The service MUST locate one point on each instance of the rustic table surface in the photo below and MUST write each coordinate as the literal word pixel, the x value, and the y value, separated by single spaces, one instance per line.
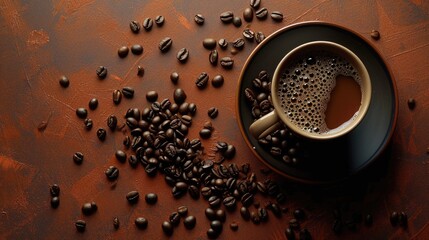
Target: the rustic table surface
pixel 43 40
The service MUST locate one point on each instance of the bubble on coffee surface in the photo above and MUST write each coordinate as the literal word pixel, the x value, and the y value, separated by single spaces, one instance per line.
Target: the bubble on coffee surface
pixel 305 88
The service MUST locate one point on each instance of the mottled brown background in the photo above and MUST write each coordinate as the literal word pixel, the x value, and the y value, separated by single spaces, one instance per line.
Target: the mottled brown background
pixel 42 40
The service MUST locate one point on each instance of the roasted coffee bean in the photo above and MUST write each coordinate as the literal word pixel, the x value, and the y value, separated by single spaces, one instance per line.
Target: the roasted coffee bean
pixel 223 43
pixel 227 62
pixel 290 234
pixel 375 34
pixel 248 14
pixel 247 199
pixel 147 24
pixel 202 80
pixel 209 43
pixel 213 112
pixel 199 19
pixel 93 103
pixel 248 34
pixel 55 202
pixel 174 77
pixel 135 26
pixel 304 234
pixel 233 226
pixel 190 222
pixel 140 71
pixel 229 152
pixel 54 190
pixel 132 197
pixel 259 37
pixel 81 112
pixel 117 96
pixel 263 214
pixel 64 82
pixel 174 218
pixel 78 157
pixel 133 161
pixel 128 92
pixel 80 225
pixel 299 214
pixel 112 122
pixel 210 214
pixel 167 227
pixel 151 198
pixel 394 218
pixel 238 43
pixel 254 216
pixel 205 133
pixel 179 96
pixel 206 191
pixel 179 189
pixel 403 219
pixel 165 44
pixel 112 173
pixel 261 13
pixel 236 21
pixel 226 17
pixel 217 81
pixel 277 16
pixel 88 123
pixel 368 220
pixel 221 215
pixel 159 20
pixel 121 156
pixel 182 210
pixel 151 96
pixel 275 209
pixel 214 201
pixel 255 3
pixel 141 222
pixel 116 223
pixel 212 234
pixel 294 224
pixel 213 56
pixel 87 209
pixel 101 72
pixel 194 192
pixel 411 103
pixel 123 51
pixel 182 55
pixel 126 142
pixel 137 49
pixel 229 202
pixel 216 225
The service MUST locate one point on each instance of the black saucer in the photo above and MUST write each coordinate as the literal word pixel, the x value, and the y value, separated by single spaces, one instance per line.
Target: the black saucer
pixel 338 159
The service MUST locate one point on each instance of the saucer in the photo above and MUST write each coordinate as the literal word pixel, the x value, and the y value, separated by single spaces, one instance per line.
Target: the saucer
pixel 335 160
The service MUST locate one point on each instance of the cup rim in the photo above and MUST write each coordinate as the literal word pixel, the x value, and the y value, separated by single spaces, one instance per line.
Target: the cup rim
pixel 366 85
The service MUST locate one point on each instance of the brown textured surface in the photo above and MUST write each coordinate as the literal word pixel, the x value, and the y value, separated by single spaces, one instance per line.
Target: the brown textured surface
pixel 42 40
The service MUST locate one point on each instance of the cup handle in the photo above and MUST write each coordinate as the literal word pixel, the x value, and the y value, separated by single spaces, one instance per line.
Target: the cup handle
pixel 265 125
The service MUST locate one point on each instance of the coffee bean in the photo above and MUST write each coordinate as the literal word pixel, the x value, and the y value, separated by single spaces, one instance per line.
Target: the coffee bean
pixel 174 218
pixel 190 222
pixel 137 49
pixel 202 80
pixel 221 215
pixel 226 17
pixel 247 199
pixel 167 228
pixel 238 43
pixel 116 223
pixel 214 201
pixel 227 62
pixel 403 219
pixel 147 24
pixel 248 14
pixel 64 82
pixel 121 156
pixel 209 43
pixel 182 55
pixel 368 220
pixel 93 103
pixel 174 77
pixel 210 214
pixel 229 202
pixel 212 234
pixel 248 34
pixel 290 234
pixel 112 122
pixel 87 209
pixel 275 209
pixel 233 226
pixel 112 173
pixel 81 112
pixel 213 56
pixel 223 43
pixel 394 218
pixel 261 13
pixel 132 197
pixel 54 190
pixel 78 158
pixel 217 81
pixel 123 51
pixel 55 202
pixel 299 214
pixel 140 71
pixel 259 37
pixel 263 214
pixel 159 20
pixel 230 152
pixel 179 96
pixel 151 96
pixel 80 225
pixel 141 222
pixel 179 189
pixel 165 44
pixel 213 112
pixel 182 210
pixel 116 96
pixel 293 223
pixel 128 92
pixel 216 225
pixel 133 161
pixel 194 192
pixel 236 21
pixel 304 234
pixel 88 123
pixel 375 34
pixel 151 198
pixel 255 3
pixel 135 26
pixel 411 103
pixel 101 72
pixel 277 16
pixel 205 133
pixel 254 216
pixel 199 19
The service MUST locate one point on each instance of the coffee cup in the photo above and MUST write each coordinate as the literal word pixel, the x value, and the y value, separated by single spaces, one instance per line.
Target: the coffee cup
pixel 320 90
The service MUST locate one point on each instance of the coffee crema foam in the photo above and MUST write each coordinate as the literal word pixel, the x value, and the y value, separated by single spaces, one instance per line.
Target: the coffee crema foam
pixel 305 87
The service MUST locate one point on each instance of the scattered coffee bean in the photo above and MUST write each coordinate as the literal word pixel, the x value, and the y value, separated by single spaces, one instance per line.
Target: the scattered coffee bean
pixel 216 225
pixel 248 14
pixel 223 43
pixel 174 77
pixel 116 223
pixel 133 161
pixel 190 222
pixel 81 112
pixel 123 51
pixel 304 234
pixel 263 214
pixel 140 71
pixel 159 20
pixel 137 49
pixel 141 222
pixel 227 62
pixel 151 198
pixel 174 218
pixel 151 96
pixel 80 225
pixel 290 234
pixel 238 43
pixel 247 199
pixel 165 44
pixel 147 24
pixel 209 43
pixel 299 214
pixel 205 133
pixel 226 17
pixel 255 3
pixel 259 37
pixel 411 103
pixel 121 156
pixel 261 13
pixel 210 214
pixel 217 81
pixel 403 219
pixel 179 96
pixel 202 80
pixel 199 19
pixel 394 218
pixel 55 202
pixel 88 208
pixel 112 173
pixel 244 212
pixel 182 55
pixel 78 158
pixel 179 189
pixel 101 72
pixel 277 16
pixel 212 234
pixel 229 152
pixel 167 227
pixel 254 216
pixel 248 34
pixel 194 192
pixel 116 96
pixel 128 92
pixel 293 223
pixel 182 210
pixel 375 34
pixel 213 112
pixel 133 197
pixel 229 202
pixel 135 26
pixel 88 123
pixel 64 82
pixel 233 226
pixel 213 56
pixel 54 190
pixel 112 122
pixel 93 103
pixel 236 21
